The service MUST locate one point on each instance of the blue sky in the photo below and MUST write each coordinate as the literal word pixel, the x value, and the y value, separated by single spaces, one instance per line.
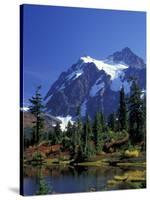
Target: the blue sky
pixel 55 37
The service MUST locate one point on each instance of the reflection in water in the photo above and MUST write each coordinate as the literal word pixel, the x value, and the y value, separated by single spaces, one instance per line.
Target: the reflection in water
pixel 69 179
pixel 43 187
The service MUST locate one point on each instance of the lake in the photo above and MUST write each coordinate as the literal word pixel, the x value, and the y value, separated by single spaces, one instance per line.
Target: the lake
pixel 69 179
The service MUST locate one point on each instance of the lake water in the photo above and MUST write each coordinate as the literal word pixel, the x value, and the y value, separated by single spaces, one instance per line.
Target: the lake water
pixel 68 179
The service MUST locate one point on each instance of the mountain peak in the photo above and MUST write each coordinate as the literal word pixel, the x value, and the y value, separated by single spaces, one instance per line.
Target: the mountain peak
pixel 127 57
pixel 127 50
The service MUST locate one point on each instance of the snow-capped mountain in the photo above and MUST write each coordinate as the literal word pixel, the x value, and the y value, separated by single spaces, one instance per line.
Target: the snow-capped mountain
pixel 94 85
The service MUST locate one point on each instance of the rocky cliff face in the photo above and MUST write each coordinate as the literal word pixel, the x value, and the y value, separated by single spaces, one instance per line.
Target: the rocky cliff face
pixel 94 85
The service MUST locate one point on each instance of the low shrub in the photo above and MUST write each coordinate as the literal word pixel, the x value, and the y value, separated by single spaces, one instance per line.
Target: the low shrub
pixel 131 154
pixel 38 156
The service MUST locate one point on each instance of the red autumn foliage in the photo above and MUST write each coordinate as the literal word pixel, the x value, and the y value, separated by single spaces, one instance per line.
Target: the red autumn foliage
pixel 44 149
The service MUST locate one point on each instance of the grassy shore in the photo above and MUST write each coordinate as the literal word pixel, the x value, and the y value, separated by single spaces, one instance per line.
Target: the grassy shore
pixel 114 159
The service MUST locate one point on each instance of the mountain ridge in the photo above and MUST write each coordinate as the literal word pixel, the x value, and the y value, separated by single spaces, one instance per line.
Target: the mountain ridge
pixel 90 84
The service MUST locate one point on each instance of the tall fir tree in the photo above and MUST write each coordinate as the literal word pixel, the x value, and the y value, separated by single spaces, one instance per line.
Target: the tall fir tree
pixel 79 131
pixel 77 137
pixel 79 127
pixel 136 114
pixel 102 121
pixel 77 141
pixel 88 146
pixel 58 134
pixel 97 130
pixel 122 112
pixel 67 137
pixel 36 108
pixel 112 121
pixel 144 122
pixel 69 130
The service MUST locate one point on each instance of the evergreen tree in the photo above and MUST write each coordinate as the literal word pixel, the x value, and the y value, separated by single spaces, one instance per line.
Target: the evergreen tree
pixel 144 122
pixel 79 130
pixel 52 137
pixel 112 121
pixel 69 130
pixel 77 142
pixel 87 139
pixel 67 137
pixel 58 134
pixel 97 129
pixel 122 111
pixel 136 114
pixel 89 129
pixel 102 121
pixel 73 141
pixel 36 108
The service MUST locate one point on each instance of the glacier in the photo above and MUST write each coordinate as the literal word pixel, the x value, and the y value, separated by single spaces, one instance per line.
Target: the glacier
pixel 111 69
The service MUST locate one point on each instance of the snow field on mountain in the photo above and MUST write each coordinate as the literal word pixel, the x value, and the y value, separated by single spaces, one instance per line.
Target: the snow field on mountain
pixel 111 69
pixel 65 121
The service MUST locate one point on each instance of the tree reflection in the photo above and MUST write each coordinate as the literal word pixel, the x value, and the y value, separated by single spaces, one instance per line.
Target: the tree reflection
pixel 43 187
